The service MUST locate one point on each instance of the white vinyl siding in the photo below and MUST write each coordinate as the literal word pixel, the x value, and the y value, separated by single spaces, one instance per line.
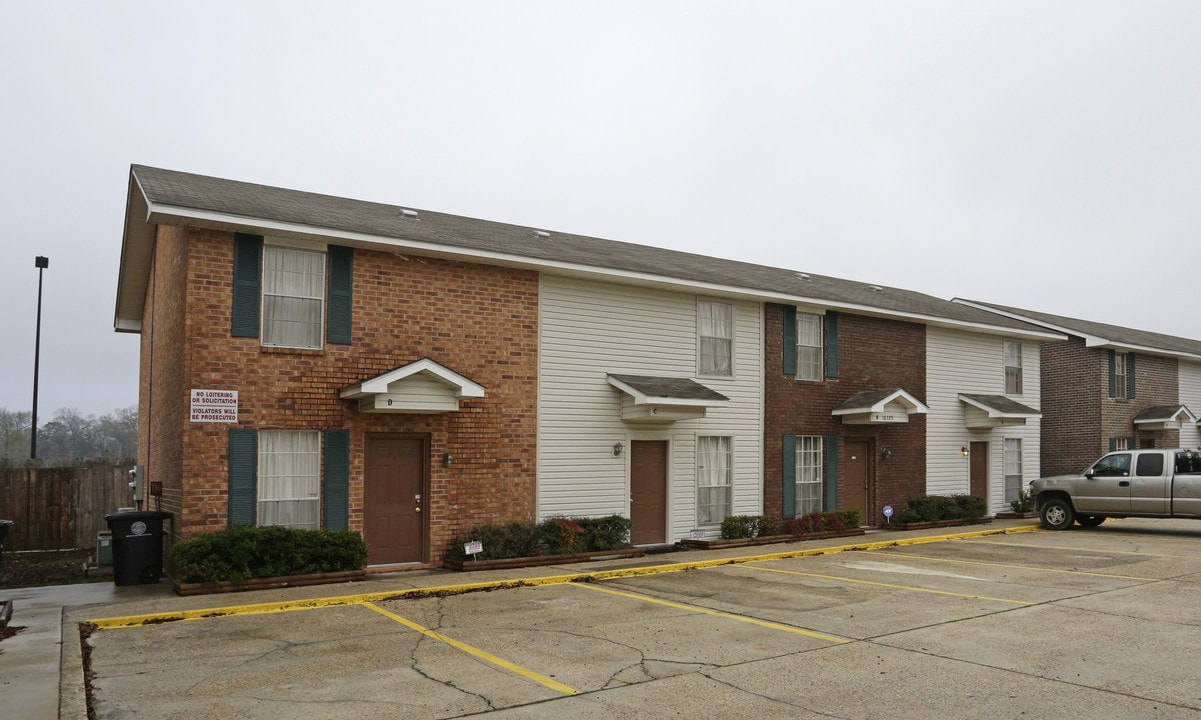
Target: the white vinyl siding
pixel 293 297
pixel 589 329
pixel 957 362
pixel 289 478
pixel 715 338
pixel 714 479
pixel 809 351
pixel 810 476
pixel 1189 373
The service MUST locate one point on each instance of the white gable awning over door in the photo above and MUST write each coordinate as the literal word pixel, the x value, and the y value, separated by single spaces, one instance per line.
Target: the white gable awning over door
pixel 1166 417
pixel 879 407
pixel 420 388
pixel 655 399
pixel 990 411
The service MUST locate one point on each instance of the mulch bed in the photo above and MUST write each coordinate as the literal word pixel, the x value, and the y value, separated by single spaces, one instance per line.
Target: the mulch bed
pixel 39 568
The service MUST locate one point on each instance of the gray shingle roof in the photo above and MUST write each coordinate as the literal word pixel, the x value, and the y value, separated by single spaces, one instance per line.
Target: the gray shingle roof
pixel 1002 404
pixel 669 387
pixel 181 197
pixel 1111 334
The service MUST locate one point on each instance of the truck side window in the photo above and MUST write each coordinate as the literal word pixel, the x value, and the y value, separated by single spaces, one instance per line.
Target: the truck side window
pixel 1113 466
pixel 1149 465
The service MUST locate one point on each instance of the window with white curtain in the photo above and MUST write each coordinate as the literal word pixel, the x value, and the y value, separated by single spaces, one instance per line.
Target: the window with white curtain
pixel 715 338
pixel 289 478
pixel 714 479
pixel 1013 367
pixel 293 297
pixel 809 364
pixel 809 480
pixel 1013 468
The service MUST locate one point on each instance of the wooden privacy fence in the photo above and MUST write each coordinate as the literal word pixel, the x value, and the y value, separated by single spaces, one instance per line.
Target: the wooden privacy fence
pixel 55 508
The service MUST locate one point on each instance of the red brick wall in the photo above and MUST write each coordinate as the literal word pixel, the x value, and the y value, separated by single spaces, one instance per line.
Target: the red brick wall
pixel 477 320
pixel 874 354
pixel 1079 417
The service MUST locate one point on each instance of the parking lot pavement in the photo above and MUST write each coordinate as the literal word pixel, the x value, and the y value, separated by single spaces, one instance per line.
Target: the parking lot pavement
pixel 986 627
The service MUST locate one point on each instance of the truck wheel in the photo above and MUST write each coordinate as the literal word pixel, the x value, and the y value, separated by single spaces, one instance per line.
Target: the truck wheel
pixel 1090 520
pixel 1056 514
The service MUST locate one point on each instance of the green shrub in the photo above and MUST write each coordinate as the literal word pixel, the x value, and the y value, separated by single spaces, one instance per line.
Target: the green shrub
pixel 932 508
pixel 835 521
pixel 1022 504
pixel 244 552
pixel 734 527
pixel 553 536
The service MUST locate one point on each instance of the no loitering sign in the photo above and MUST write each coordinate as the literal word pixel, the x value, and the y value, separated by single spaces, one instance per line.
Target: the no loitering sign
pixel 219 406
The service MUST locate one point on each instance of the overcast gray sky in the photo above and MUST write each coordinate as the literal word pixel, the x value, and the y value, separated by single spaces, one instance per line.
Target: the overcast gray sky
pixel 1040 154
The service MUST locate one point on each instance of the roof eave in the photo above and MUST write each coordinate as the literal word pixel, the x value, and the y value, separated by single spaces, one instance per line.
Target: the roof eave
pixel 137 249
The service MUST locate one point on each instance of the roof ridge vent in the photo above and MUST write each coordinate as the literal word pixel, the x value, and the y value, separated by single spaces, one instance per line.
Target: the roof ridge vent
pixel 408 214
pixel 541 234
pixel 875 288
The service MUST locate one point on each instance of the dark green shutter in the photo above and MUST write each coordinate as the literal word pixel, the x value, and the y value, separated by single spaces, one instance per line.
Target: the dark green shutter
pixel 248 261
pixel 1113 444
pixel 1132 443
pixel 789 340
pixel 1113 382
pixel 337 480
pixel 341 282
pixel 243 476
pixel 1130 376
pixel 832 344
pixel 788 497
pixel 831 472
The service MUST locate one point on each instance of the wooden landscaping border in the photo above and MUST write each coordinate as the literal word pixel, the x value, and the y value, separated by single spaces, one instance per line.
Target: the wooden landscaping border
pixel 540 560
pixel 933 524
pixel 272 583
pixel 769 539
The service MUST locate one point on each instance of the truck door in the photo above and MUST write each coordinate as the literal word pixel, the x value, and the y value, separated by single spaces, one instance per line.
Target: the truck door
pixel 1107 491
pixel 1151 483
pixel 1186 485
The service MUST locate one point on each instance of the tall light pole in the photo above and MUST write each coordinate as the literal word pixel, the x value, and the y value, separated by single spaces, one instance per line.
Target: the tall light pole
pixel 41 263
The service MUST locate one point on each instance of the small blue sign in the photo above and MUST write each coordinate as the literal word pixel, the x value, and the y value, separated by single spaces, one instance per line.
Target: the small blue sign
pixel 888 511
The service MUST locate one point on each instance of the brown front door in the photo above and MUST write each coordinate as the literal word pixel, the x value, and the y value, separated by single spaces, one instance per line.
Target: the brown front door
pixel 648 491
pixel 978 470
pixel 394 498
pixel 856 478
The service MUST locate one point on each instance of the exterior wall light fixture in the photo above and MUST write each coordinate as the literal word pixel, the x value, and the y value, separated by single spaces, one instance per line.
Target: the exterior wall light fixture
pixel 963 451
pixel 447 459
pixel 618 449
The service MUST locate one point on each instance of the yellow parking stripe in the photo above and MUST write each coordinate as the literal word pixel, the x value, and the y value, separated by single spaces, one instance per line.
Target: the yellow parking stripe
pixel 717 613
pixel 889 585
pixel 476 652
pixel 1088 549
pixel 1010 565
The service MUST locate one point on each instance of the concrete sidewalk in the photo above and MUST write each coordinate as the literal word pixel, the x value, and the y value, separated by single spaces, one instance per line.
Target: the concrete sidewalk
pixel 41 667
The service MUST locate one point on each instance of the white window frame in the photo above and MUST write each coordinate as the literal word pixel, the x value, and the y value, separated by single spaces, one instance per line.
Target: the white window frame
pixel 275 325
pixel 810 357
pixel 1121 444
pixel 288 478
pixel 710 338
pixel 1121 383
pixel 1011 467
pixel 810 474
pixel 1012 352
pixel 713 482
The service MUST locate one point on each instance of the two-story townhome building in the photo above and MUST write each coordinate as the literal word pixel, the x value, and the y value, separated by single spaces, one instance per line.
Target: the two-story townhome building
pixel 317 361
pixel 1111 388
pixel 877 394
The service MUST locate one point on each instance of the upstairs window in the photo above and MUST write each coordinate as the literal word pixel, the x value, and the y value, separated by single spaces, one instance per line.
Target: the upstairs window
pixel 809 346
pixel 715 338
pixel 293 297
pixel 1120 380
pixel 1013 367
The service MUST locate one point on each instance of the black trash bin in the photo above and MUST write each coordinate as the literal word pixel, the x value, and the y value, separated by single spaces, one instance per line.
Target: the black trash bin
pixel 137 546
pixel 4 526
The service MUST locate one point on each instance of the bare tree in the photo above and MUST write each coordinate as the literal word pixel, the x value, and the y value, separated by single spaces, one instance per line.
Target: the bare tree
pixel 70 434
pixel 14 434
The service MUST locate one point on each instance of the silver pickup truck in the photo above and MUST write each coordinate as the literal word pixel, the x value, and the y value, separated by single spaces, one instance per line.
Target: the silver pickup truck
pixel 1127 483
